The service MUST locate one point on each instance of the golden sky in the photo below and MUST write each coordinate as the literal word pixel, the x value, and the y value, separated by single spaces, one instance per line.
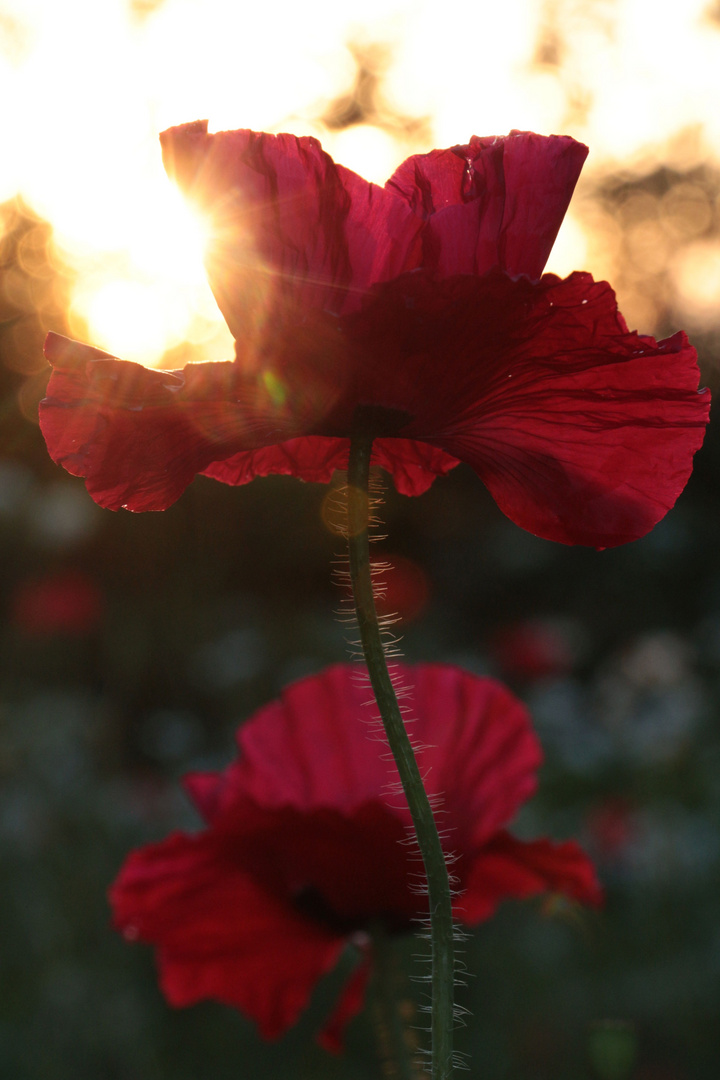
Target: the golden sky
pixel 87 85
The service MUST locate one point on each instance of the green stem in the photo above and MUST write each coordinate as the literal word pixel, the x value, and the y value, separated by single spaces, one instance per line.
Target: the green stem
pixel 441 926
pixel 393 1035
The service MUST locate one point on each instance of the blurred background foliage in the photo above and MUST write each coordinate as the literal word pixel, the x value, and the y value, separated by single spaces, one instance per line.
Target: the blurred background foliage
pixel 132 646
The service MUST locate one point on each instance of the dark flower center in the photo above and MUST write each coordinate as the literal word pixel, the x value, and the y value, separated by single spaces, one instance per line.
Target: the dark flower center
pixel 344 872
pixel 378 421
pixel 310 902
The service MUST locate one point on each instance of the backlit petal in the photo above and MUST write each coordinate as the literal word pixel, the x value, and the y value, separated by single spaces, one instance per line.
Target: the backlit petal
pixel 591 438
pixel 413 465
pixel 287 222
pixel 508 867
pixel 139 436
pixel 496 203
pixel 583 432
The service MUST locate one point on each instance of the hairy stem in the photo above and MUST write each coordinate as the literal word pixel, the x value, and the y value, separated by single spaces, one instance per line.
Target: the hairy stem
pixel 441 926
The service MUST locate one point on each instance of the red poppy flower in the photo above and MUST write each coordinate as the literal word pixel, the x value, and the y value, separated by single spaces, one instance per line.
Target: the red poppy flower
pixel 303 846
pixel 421 302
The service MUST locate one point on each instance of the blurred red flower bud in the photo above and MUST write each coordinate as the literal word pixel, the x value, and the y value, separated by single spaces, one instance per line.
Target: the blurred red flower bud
pixel 64 603
pixel 533 649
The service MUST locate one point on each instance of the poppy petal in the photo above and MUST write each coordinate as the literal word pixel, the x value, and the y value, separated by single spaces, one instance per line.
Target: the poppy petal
pixel 413 465
pixel 287 221
pixel 583 432
pixel 140 435
pixel 307 843
pixel 508 867
pixel 205 791
pixel 418 301
pixel 479 752
pixel 218 934
pixel 587 432
pixel 312 458
pixel 495 203
pixel 320 745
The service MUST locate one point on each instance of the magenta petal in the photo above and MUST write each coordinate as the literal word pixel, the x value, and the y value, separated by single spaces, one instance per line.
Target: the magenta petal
pixel 139 436
pixel 496 203
pixel 312 458
pixel 218 934
pixel 413 465
pixel 205 790
pixel 587 432
pixel 583 432
pixel 126 457
pixel 321 745
pixel 307 842
pixel 480 754
pixel 316 746
pixel 508 867
pixel 287 222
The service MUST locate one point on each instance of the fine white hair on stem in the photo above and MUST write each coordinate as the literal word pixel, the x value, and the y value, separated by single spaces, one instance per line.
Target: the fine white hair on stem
pixel 380 638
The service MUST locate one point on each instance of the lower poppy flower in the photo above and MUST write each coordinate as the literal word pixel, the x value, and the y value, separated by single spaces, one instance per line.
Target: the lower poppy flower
pixel 304 847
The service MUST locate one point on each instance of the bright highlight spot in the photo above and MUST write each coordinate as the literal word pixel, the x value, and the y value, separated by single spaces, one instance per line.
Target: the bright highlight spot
pixel 127 314
pixel 170 238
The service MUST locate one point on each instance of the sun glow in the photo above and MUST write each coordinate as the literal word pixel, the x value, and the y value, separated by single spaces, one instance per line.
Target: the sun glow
pixel 697 277
pixel 92 85
pixel 150 295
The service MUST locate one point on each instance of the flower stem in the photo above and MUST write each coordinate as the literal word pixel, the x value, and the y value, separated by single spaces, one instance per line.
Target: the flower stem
pixel 389 1013
pixel 441 926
